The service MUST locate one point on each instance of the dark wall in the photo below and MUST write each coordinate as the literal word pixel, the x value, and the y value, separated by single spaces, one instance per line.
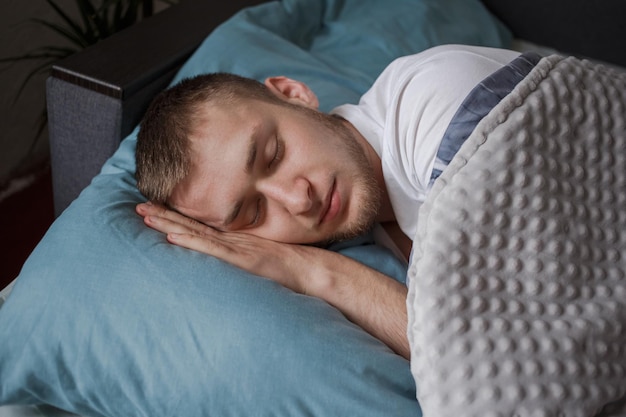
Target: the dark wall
pixel 587 28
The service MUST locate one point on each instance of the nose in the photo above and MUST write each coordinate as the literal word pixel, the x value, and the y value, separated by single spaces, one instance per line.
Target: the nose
pixel 295 196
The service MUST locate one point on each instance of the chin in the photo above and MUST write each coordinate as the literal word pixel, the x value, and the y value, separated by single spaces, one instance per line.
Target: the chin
pixel 354 231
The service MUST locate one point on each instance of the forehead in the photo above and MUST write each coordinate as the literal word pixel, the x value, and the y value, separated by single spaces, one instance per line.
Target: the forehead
pixel 219 144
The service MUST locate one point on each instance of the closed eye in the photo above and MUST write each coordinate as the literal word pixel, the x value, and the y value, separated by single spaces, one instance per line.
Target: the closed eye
pixel 257 214
pixel 279 149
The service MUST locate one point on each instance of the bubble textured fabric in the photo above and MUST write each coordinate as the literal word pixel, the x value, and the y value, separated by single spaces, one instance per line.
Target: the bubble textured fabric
pixel 517 293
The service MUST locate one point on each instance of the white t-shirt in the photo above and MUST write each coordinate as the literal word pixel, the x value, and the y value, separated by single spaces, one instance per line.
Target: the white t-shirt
pixel 407 110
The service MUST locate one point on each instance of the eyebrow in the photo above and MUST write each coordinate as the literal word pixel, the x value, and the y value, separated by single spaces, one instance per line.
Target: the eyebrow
pixel 252 152
pixel 250 160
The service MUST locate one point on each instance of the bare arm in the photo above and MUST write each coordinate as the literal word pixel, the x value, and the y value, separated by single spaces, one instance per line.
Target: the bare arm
pixel 370 299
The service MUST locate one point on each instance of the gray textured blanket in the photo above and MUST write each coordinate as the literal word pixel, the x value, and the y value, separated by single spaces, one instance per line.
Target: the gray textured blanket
pixel 517 294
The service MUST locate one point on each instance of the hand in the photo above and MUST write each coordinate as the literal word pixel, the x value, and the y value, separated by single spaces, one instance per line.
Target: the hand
pixel 370 299
pixel 280 262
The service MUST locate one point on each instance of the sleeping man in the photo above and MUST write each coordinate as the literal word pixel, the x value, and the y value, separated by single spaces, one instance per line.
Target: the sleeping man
pixel 254 174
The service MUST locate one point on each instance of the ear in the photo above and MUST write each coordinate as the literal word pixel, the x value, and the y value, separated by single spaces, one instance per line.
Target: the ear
pixel 293 91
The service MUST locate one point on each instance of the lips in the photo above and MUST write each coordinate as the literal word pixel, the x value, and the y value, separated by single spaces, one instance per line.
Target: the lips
pixel 332 205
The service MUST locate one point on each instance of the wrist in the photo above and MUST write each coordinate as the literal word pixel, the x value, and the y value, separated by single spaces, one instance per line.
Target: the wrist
pixel 317 279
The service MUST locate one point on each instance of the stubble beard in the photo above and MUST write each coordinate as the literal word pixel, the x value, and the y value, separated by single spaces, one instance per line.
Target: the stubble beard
pixel 367 195
pixel 367 198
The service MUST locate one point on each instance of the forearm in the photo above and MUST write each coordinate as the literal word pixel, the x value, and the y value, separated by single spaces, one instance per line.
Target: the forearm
pixel 368 298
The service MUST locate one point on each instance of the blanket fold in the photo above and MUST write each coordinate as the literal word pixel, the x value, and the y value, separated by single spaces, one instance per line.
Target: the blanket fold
pixel 517 294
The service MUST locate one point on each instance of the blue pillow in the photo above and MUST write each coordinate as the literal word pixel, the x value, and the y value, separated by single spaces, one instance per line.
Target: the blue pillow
pixel 108 319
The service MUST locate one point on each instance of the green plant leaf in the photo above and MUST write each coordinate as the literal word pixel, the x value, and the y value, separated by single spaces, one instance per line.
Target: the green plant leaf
pixel 40 53
pixel 117 14
pixel 73 27
pixel 77 39
pixel 128 16
pixel 86 12
pixel 95 20
pixel 45 66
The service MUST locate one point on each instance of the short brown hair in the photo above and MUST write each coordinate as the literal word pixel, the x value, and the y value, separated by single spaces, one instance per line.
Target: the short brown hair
pixel 163 153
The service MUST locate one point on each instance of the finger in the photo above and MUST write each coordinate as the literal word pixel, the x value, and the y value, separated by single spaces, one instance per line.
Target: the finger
pixel 150 209
pixel 209 245
pixel 165 225
pixel 158 211
pixel 143 209
pixel 236 248
pixel 273 260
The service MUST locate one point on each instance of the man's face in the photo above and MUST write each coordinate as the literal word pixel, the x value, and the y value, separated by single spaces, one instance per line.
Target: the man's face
pixel 288 174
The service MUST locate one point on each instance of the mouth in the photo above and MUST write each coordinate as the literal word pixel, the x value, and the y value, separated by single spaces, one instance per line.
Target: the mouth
pixel 332 204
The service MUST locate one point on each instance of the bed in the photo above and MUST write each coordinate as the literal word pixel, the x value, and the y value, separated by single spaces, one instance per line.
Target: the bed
pixel 107 319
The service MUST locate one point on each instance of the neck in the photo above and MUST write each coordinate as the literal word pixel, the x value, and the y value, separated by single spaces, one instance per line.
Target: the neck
pixel 385 214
